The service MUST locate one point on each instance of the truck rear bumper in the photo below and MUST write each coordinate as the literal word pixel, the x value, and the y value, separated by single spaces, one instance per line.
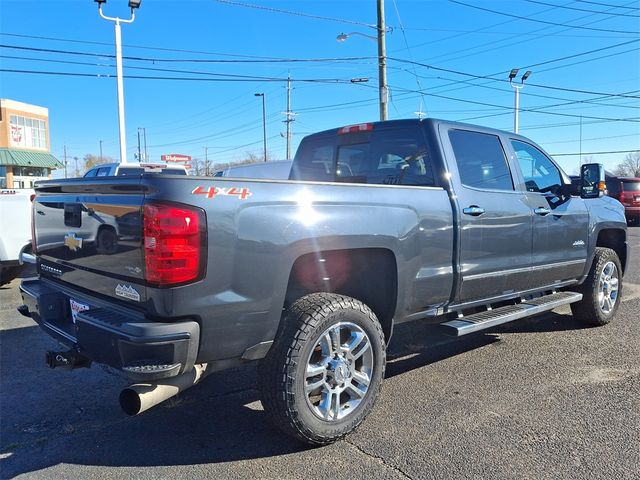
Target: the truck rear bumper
pixel 125 340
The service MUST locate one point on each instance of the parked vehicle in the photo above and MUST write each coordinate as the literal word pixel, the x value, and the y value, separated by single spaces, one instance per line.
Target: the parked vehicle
pixel 113 169
pixel 382 223
pixel 275 170
pixel 627 191
pixel 15 231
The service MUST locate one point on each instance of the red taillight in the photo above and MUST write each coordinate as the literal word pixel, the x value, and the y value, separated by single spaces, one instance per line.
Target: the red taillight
pixel 174 243
pixel 363 127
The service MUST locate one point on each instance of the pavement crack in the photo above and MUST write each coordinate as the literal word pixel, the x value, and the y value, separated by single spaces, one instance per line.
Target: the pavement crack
pixel 379 458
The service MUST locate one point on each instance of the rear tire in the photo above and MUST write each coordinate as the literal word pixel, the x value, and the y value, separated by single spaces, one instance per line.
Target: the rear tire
pixel 601 290
pixel 324 372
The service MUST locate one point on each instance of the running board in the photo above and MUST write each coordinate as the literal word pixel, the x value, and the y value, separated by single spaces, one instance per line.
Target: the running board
pixel 490 318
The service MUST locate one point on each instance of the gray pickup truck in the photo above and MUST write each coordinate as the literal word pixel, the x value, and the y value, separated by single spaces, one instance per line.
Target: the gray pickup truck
pixel 379 223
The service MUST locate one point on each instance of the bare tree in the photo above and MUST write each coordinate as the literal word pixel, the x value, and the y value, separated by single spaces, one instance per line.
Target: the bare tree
pixel 196 166
pixel 630 166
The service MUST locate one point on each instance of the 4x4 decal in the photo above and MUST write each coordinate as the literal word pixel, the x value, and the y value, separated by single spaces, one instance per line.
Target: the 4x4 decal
pixel 242 193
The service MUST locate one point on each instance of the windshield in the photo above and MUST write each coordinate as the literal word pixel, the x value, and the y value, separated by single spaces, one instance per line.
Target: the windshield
pixel 631 186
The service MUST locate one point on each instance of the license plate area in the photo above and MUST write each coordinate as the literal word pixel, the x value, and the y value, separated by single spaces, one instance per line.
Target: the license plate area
pixel 76 307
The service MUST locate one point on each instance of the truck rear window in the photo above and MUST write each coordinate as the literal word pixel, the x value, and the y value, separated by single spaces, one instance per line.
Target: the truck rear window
pixel 384 157
pixel 631 186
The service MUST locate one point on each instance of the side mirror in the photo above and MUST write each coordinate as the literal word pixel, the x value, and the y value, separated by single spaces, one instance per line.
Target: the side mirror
pixel 592 180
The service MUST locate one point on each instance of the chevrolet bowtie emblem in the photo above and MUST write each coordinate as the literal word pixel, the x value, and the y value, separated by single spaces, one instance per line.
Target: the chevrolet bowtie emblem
pixel 74 243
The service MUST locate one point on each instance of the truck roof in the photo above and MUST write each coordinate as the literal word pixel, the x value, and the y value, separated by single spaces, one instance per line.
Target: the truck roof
pixel 413 121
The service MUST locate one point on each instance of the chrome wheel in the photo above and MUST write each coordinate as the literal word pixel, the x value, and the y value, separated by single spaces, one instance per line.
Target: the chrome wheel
pixel 608 287
pixel 339 370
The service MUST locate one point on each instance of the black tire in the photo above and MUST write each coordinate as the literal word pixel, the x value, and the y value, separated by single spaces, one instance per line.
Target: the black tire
pixel 282 374
pixel 7 274
pixel 588 310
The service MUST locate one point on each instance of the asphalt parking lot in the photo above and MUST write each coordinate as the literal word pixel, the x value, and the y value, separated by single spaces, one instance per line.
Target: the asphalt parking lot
pixel 540 398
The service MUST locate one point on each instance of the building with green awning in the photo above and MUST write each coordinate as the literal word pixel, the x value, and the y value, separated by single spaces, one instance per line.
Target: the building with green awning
pixel 25 154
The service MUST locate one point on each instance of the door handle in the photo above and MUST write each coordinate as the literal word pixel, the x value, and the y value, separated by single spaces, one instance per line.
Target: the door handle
pixel 542 211
pixel 473 210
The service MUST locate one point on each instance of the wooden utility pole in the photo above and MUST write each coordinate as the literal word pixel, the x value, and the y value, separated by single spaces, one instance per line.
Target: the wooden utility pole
pixel 289 115
pixel 382 62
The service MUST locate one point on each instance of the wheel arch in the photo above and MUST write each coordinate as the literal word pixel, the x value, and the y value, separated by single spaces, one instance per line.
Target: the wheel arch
pixel 366 274
pixel 616 240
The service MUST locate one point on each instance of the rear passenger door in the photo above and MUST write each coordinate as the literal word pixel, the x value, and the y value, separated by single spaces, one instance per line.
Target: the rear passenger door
pixel 494 221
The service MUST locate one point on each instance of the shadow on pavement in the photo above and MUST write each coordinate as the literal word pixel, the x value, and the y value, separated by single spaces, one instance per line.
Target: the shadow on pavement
pixel 48 417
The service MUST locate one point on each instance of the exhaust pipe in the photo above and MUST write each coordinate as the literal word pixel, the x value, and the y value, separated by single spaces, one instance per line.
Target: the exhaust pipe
pixel 140 397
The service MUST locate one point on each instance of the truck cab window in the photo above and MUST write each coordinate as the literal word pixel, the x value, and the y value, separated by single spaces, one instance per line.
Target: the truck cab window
pixel 540 173
pixel 481 160
pixel 395 156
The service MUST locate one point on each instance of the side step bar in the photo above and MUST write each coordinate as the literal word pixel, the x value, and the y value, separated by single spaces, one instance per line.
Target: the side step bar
pixel 490 318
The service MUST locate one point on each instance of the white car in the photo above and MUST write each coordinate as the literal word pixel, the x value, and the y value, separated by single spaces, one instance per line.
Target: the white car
pixel 113 169
pixel 15 231
pixel 275 170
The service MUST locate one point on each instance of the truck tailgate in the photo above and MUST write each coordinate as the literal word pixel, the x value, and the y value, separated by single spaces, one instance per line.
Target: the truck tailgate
pixel 89 234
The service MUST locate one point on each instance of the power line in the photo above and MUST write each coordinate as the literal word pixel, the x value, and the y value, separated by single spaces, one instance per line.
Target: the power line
pixel 591 153
pixel 188 60
pixel 542 21
pixel 488 77
pixel 167 70
pixel 406 43
pixel 634 119
pixel 199 79
pixel 581 9
pixel 298 14
pixel 143 47
pixel 593 139
pixel 608 5
pixel 575 55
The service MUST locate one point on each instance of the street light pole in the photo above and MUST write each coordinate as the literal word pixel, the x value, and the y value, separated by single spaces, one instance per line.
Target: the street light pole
pixel 133 4
pixel 517 88
pixel 264 123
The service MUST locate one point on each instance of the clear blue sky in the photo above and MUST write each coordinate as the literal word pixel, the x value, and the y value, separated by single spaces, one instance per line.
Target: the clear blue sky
pixel 461 42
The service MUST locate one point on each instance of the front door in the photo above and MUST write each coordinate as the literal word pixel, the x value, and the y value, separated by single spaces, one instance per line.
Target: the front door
pixel 560 223
pixel 494 218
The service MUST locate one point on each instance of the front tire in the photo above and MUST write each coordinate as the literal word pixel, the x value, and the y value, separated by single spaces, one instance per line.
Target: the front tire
pixel 324 372
pixel 601 290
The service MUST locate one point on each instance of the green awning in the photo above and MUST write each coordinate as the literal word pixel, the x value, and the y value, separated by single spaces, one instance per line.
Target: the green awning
pixel 27 158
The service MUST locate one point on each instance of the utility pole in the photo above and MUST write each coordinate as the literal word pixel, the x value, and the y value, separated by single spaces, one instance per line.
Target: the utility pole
pixel 101 150
pixel 139 154
pixel 77 171
pixel 289 115
pixel 517 88
pixel 264 123
pixel 206 161
pixel 133 5
pixel 382 62
pixel 65 161
pixel 580 140
pixel 144 136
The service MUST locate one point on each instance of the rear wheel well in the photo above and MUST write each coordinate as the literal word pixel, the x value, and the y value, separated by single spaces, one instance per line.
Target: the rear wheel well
pixel 615 240
pixel 367 274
